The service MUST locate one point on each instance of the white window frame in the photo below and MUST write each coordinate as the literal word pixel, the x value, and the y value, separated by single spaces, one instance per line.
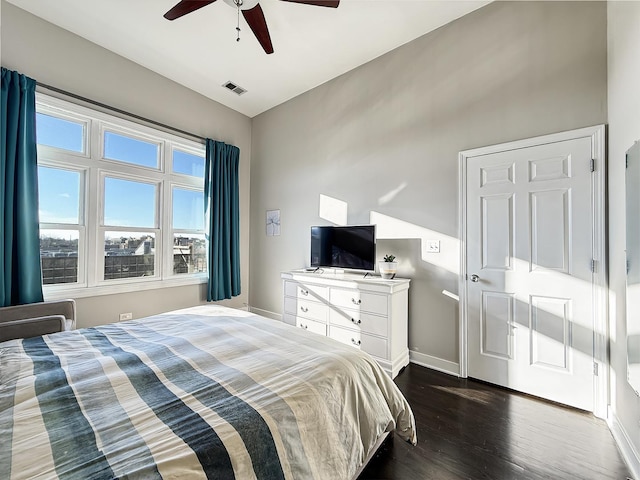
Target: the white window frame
pixel 171 231
pixel 103 228
pixel 54 109
pixel 80 227
pixel 134 135
pixel 94 168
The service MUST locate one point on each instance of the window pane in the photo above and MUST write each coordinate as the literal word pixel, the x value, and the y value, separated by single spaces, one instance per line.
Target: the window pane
pixel 188 164
pixel 59 256
pixel 188 209
pixel 59 195
pixel 129 204
pixel 59 133
pixel 189 254
pixel 129 254
pixel 130 150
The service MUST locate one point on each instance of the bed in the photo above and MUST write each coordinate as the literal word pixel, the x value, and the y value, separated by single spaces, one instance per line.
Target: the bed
pixel 204 392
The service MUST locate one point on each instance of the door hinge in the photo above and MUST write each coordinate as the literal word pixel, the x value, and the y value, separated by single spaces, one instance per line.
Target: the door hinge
pixel 592 165
pixel 595 368
pixel 593 265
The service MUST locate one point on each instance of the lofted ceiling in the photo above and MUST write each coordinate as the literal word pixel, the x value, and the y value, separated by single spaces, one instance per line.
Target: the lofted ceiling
pixel 311 44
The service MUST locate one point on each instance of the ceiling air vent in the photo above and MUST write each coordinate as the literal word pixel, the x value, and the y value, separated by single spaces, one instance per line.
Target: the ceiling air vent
pixel 234 88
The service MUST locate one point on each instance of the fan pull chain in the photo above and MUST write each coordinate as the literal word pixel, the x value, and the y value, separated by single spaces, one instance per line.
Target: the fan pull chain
pixel 238 3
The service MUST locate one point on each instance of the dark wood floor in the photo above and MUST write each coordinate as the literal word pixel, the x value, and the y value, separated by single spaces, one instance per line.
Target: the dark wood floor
pixel 471 430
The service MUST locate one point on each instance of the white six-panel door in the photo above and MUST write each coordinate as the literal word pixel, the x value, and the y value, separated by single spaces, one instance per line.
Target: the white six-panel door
pixel 529 269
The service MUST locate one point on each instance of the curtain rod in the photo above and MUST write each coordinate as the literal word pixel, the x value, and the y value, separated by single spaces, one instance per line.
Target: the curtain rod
pixel 117 110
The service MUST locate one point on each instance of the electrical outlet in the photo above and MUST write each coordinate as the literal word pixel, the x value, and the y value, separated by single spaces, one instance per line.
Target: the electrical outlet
pixel 433 246
pixel 126 316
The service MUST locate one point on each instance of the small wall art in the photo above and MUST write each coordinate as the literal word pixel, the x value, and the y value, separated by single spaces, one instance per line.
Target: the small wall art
pixel 273 223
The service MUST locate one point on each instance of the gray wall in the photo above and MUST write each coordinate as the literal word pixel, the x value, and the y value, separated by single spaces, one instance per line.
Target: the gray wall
pixel 624 130
pixel 385 137
pixel 56 57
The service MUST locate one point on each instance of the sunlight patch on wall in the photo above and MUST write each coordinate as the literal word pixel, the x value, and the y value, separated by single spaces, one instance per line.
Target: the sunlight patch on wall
pixel 391 228
pixel 333 210
pixel 387 197
pixel 613 306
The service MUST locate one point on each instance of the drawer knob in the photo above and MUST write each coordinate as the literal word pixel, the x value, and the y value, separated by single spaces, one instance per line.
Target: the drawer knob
pixel 357 322
pixel 304 292
pixel 304 309
pixel 356 302
pixel 304 326
pixel 356 342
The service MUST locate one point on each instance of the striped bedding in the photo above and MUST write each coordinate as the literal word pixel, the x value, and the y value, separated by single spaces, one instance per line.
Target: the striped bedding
pixel 205 392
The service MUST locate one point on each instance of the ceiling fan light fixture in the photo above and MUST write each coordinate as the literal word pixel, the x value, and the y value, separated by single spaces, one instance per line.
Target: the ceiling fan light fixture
pixel 242 4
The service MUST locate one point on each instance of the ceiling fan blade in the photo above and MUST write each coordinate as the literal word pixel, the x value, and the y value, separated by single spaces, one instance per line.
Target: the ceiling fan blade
pixel 186 6
pixel 257 23
pixel 317 3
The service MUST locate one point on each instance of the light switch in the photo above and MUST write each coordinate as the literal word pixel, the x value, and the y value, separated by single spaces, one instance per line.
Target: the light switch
pixel 433 246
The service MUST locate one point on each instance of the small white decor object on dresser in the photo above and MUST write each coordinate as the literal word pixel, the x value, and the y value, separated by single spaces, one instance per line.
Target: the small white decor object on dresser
pixel 369 313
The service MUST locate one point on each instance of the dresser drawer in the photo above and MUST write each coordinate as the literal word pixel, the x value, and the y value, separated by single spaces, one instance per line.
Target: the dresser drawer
pixel 306 309
pixel 372 345
pixel 361 321
pixel 316 293
pixel 306 324
pixel 312 326
pixel 363 301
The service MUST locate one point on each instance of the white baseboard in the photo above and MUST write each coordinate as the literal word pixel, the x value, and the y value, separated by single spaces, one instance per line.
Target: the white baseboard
pixel 265 313
pixel 625 445
pixel 435 363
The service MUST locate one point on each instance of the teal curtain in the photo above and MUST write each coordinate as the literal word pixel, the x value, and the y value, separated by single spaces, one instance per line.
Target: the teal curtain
pixel 20 271
pixel 222 218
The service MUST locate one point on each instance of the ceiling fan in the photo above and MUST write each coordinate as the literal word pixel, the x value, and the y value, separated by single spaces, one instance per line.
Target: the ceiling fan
pixel 251 11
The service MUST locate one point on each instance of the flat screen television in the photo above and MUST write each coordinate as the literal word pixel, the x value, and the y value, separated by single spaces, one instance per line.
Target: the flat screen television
pixel 344 247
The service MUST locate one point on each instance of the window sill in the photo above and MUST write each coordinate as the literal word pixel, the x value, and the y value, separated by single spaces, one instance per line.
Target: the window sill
pixel 57 293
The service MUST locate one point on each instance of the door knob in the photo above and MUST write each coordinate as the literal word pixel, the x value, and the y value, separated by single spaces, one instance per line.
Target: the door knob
pixel 475 278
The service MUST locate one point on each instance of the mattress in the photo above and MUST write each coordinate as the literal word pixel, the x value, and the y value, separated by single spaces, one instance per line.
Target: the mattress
pixel 205 392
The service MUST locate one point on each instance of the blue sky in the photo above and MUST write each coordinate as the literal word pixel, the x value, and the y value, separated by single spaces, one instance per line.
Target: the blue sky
pixel 127 203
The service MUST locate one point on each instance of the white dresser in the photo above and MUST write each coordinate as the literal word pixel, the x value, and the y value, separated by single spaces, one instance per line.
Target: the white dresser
pixel 368 313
